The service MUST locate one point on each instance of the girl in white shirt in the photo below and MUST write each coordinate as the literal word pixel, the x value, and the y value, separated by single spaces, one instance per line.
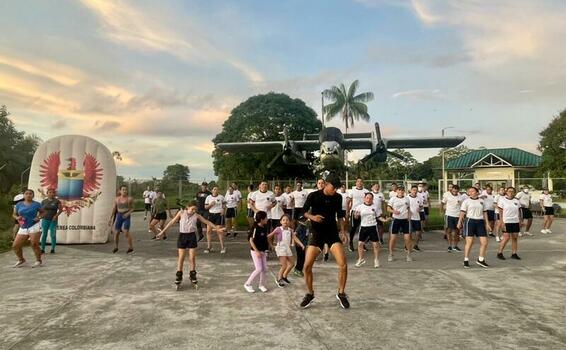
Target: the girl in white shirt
pixel 368 229
pixel 510 214
pixel 548 210
pixel 474 220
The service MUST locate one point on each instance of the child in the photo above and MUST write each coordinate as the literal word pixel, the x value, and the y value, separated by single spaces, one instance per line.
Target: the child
pixel 258 246
pixel 285 238
pixel 368 229
pixel 187 238
pixel 303 235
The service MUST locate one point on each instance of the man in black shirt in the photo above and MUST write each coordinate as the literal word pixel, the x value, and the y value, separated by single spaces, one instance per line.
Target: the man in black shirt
pixel 322 208
pixel 201 198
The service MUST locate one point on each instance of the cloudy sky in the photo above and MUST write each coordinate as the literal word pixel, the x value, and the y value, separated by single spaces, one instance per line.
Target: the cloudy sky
pixel 156 79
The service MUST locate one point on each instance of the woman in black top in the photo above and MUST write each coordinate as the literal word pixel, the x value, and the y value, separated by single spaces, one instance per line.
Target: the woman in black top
pixel 258 245
pixel 51 208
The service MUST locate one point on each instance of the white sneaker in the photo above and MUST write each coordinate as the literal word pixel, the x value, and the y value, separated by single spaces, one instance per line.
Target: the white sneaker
pixel 497 239
pixel 263 289
pixel 520 234
pixel 37 264
pixel 360 262
pixel 390 258
pixel 223 251
pixel 409 259
pixel 543 231
pixel 528 233
pixel 20 264
pixel 548 231
pixel 249 288
pixel 376 263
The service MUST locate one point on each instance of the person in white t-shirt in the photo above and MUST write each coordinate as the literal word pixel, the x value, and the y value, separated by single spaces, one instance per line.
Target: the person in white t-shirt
pixel 277 210
pixel 147 200
pixel 524 198
pixel 510 214
pixel 355 198
pixel 548 210
pixel 344 195
pixel 446 230
pixel 416 205
pixel 214 203
pixel 232 199
pixel 380 206
pixel 474 222
pixel 368 229
pixel 263 200
pixel 498 222
pixel 451 204
pixel 288 209
pixel 400 209
pixel 488 203
pixel 425 196
pixel 250 215
pixel 298 197
pixel 393 191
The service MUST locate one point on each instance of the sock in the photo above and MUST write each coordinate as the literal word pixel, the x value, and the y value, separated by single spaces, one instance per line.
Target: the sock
pixel 481 258
pixel 466 259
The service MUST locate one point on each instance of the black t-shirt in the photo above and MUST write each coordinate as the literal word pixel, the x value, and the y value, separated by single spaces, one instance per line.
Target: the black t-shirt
pixel 259 236
pixel 201 197
pixel 328 206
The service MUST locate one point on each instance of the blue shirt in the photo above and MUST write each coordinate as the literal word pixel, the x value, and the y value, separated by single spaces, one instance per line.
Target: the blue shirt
pixel 28 212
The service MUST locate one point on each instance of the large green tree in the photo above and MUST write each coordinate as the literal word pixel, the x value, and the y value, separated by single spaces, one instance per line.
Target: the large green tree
pixel 176 172
pixel 553 146
pixel 262 118
pixel 346 103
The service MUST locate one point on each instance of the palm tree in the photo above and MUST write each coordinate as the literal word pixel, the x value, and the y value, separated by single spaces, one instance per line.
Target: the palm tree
pixel 346 103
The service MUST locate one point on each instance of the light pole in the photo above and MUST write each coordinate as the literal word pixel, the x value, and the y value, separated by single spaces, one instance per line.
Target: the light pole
pixel 444 177
pixel 22 177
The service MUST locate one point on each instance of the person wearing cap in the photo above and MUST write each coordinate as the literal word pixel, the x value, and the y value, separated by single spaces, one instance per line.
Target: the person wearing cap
pixel 200 197
pixel 322 208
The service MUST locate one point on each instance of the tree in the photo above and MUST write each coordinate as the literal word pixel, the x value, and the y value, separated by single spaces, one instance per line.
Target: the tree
pixel 346 103
pixel 176 172
pixel 262 118
pixel 553 146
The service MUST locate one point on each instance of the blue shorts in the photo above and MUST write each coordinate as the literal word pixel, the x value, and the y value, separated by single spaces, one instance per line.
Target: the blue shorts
pixel 474 228
pixel 426 211
pixel 415 226
pixel 399 226
pixel 451 222
pixel 251 213
pixel 121 222
pixel 422 216
pixel 490 215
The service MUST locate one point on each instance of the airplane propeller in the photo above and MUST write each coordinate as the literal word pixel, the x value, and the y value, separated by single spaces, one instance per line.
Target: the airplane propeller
pixel 288 155
pixel 381 152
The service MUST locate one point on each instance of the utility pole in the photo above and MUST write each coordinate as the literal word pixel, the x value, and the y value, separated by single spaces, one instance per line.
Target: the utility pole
pixel 444 177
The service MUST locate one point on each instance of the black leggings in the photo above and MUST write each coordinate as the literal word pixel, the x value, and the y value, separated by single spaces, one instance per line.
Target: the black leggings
pixel 354 229
pixel 300 258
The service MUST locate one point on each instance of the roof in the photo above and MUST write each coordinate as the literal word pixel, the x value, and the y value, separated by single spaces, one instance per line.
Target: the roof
pixel 514 156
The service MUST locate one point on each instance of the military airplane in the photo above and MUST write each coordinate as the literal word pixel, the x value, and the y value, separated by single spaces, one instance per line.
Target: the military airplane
pixel 331 144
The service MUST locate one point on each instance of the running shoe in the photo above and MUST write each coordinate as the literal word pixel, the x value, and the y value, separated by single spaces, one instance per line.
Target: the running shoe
pixel 280 283
pixel 376 263
pixel 409 259
pixel 450 249
pixel 466 264
pixel 307 300
pixel 207 250
pixel 381 242
pixel 115 250
pixel 286 280
pixel 130 251
pixel 263 289
pixel 417 248
pixel 299 273
pixel 20 264
pixel 154 238
pixel 37 264
pixel 545 231
pixel 223 251
pixel 548 231
pixel 500 256
pixel 343 299
pixel 249 288
pixel 360 262
pixel 491 235
pixel 457 249
pixel 515 256
pixel 351 248
pixel 482 263
pixel 390 258
pixel 520 234
pixel 527 233
pixel 497 238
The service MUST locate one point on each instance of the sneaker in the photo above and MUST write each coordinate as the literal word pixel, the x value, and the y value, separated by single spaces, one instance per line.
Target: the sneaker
pixel 520 234
pixel 543 231
pixel 299 273
pixel 115 250
pixel 130 251
pixel 360 262
pixel 491 235
pixel 381 242
pixel 409 259
pixel 207 250
pixel 417 248
pixel 223 251
pixel 249 288
pixel 482 263
pixel 164 238
pixel 500 256
pixel 376 263
pixel 154 238
pixel 37 264
pixel 296 272
pixel 528 234
pixel 286 280
pixel 307 300
pixel 20 264
pixel 515 256
pixel 466 264
pixel 280 283
pixel 457 249
pixel 548 231
pixel 450 249
pixel 263 289
pixel 343 299
pixel 351 248
pixel 497 239
pixel 390 258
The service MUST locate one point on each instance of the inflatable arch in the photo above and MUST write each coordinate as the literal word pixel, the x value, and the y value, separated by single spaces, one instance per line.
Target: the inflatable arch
pixel 84 173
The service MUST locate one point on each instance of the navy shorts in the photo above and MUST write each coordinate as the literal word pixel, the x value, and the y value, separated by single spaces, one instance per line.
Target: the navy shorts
pixel 298 213
pixel 288 212
pixel 474 228
pixel 526 213
pixel 215 218
pixel 512 228
pixel 549 211
pixel 422 215
pixel 147 206
pixel 230 213
pixel 426 211
pixel 368 232
pixel 451 222
pixel 121 222
pixel 399 226
pixel 187 240
pixel 160 216
pixel 490 215
pixel 251 213
pixel 415 226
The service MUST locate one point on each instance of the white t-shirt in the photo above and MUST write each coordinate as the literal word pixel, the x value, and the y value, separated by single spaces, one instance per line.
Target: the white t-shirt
pixel 473 208
pixel 263 200
pixel 488 201
pixel 392 194
pixel 524 199
pixel 147 197
pixel 248 200
pixel 237 193
pixel 299 197
pixel 344 200
pixel 378 200
pixel 416 205
pixel 277 211
pixel 217 203
pixel 401 204
pixel 546 200
pixel 231 200
pixel 453 204
pixel 367 215
pixel 357 196
pixel 288 200
pixel 425 196
pixel 510 210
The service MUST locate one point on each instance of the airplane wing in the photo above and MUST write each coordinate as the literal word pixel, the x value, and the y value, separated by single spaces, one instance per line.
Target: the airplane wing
pixel 259 147
pixel 424 142
pixel 306 145
pixel 358 143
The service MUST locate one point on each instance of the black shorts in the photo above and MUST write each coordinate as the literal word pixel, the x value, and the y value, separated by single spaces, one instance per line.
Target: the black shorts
pixel 251 213
pixel 426 211
pixel 512 228
pixel 416 226
pixel 490 215
pixel 215 218
pixel 147 206
pixel 187 240
pixel 549 211
pixel 230 213
pixel 160 216
pixel 342 213
pixel 474 228
pixel 298 214
pixel 399 226
pixel 320 239
pixel 368 232
pixel 526 213
pixel 451 222
pixel 422 215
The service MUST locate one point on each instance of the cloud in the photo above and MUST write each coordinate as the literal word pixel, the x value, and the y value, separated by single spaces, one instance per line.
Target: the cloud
pixel 58 73
pixel 127 25
pixel 59 124
pixel 421 94
pixel 107 125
